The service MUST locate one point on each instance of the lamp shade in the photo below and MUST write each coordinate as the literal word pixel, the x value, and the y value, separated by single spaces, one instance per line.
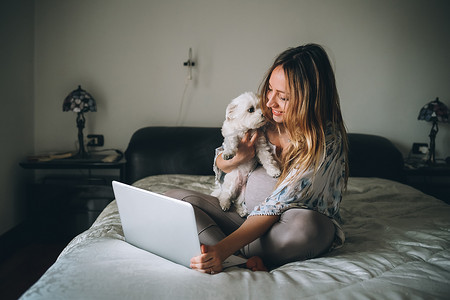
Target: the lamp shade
pixel 434 111
pixel 79 101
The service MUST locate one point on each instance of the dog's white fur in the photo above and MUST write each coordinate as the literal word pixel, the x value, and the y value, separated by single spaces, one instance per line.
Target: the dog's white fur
pixel 243 114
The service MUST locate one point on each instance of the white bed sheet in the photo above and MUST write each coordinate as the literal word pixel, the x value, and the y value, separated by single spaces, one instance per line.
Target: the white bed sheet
pixel 397 247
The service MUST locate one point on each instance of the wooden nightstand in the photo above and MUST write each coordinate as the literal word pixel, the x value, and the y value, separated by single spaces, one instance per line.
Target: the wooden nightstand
pixel 69 195
pixel 433 180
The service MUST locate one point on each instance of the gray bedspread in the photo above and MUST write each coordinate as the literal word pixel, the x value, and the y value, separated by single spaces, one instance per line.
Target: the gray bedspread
pixel 397 247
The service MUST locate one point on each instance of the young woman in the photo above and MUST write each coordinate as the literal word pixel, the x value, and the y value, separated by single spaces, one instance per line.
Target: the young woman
pixel 296 216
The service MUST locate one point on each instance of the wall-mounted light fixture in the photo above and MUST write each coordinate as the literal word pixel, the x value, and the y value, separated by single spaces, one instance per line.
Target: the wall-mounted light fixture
pixel 189 63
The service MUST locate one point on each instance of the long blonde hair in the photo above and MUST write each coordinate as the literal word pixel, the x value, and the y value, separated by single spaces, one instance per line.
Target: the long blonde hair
pixel 313 105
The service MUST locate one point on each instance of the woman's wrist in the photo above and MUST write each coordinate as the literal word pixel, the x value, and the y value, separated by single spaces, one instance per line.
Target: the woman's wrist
pixel 224 251
pixel 225 165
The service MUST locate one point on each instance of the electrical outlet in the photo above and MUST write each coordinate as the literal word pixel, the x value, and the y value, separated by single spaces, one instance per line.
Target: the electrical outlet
pixel 419 148
pixel 95 140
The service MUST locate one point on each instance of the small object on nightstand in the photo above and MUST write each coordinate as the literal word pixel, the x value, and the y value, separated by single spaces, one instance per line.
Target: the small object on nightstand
pixel 111 158
pixel 50 156
pixel 117 155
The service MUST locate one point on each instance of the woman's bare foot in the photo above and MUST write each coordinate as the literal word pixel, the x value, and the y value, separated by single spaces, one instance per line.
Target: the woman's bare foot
pixel 255 263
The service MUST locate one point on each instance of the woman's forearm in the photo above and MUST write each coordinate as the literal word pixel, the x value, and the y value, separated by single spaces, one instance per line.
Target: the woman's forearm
pixel 250 230
pixel 244 153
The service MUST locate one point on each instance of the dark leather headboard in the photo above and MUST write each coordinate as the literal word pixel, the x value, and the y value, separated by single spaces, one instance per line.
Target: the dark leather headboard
pixel 374 156
pixel 171 150
pixel 190 150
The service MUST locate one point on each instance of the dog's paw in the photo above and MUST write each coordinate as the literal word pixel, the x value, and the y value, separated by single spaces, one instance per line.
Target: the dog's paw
pixel 274 172
pixel 242 211
pixel 276 175
pixel 227 155
pixel 224 204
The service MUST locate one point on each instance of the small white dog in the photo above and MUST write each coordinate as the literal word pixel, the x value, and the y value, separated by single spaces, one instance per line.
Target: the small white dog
pixel 243 114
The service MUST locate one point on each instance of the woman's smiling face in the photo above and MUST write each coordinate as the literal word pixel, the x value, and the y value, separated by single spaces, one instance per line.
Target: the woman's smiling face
pixel 277 97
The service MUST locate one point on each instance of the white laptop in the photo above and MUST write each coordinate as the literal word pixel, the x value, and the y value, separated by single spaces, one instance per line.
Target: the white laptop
pixel 160 224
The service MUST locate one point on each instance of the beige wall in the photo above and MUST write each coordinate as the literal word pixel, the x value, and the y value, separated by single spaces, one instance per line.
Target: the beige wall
pixel 16 102
pixel 391 57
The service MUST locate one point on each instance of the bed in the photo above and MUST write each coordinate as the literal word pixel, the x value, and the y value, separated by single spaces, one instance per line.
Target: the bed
pixel 397 243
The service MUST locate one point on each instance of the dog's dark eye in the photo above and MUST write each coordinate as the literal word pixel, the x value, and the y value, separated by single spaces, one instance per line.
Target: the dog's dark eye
pixel 251 109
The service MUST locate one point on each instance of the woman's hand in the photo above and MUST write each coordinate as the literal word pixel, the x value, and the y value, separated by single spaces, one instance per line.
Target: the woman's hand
pixel 245 152
pixel 209 261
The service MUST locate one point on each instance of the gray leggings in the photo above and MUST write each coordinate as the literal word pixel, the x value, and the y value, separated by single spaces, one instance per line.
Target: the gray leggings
pixel 299 234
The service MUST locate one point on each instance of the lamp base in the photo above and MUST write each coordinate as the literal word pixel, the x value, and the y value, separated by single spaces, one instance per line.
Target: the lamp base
pixel 432 152
pixel 82 154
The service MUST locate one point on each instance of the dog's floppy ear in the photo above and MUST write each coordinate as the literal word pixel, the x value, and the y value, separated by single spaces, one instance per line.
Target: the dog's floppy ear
pixel 230 110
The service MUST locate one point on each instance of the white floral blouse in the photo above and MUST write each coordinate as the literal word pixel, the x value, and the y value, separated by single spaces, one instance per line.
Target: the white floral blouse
pixel 320 191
